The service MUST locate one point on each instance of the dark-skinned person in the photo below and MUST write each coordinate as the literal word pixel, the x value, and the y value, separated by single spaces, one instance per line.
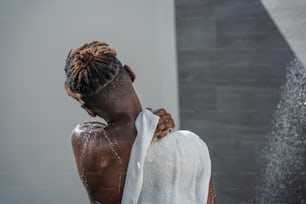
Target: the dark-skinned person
pixel 124 161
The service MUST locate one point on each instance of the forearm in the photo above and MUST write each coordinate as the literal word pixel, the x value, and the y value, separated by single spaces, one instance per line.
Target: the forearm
pixel 211 194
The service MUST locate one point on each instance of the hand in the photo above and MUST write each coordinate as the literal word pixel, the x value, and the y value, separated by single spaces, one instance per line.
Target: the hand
pixel 165 123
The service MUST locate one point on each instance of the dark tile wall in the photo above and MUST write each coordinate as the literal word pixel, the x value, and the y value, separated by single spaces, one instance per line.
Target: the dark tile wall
pixel 232 61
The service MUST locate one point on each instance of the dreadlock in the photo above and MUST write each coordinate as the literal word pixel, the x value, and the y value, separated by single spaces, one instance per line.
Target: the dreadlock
pixel 90 68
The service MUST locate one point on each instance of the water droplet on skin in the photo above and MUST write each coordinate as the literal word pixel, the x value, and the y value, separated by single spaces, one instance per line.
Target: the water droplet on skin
pixel 86 131
pixel 119 185
pixel 112 145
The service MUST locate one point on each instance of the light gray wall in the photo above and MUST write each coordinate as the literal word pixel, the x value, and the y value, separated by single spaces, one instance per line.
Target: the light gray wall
pixel 36 160
pixel 289 17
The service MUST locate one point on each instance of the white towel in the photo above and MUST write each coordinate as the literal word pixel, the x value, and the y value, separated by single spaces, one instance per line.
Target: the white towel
pixel 173 170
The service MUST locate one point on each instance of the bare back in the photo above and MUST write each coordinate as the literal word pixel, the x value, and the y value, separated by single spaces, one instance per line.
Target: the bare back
pixel 102 156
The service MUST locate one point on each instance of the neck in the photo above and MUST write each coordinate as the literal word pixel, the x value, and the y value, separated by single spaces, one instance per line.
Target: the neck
pixel 124 114
pixel 119 108
pixel 123 118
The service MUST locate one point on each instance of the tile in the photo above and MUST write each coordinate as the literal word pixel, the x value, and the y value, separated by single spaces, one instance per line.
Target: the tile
pixel 195 58
pixel 203 9
pixel 239 9
pixel 232 62
pixel 195 26
pixel 196 41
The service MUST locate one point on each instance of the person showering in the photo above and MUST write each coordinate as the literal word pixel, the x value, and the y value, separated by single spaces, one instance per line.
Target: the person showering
pixel 103 87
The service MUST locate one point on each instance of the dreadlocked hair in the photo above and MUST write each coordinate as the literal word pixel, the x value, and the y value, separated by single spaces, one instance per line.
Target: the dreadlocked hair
pixel 91 68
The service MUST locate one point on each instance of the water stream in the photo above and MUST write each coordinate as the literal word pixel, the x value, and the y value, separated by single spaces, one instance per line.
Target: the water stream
pixel 283 177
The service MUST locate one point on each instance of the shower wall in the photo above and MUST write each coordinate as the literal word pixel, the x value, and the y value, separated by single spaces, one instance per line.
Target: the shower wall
pixel 232 61
pixel 36 159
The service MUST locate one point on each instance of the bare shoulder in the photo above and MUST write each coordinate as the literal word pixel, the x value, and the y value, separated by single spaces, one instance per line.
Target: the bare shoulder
pixel 86 136
pixel 87 129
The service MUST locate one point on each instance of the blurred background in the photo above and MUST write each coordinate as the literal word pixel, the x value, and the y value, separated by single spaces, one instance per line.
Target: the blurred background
pixel 219 66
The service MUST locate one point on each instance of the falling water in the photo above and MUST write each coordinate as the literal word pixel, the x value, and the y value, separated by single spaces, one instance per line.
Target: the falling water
pixel 89 131
pixel 112 146
pixel 283 179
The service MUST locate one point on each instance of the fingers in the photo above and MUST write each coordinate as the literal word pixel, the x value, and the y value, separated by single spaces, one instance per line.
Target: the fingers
pixel 171 124
pixel 165 118
pixel 162 134
pixel 160 112
pixel 166 121
pixel 165 124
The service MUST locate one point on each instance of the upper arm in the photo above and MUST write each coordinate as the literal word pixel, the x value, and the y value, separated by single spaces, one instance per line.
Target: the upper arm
pixel 77 142
pixel 79 147
pixel 87 149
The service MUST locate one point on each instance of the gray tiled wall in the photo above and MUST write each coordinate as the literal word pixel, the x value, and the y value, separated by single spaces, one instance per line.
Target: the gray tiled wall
pixel 232 61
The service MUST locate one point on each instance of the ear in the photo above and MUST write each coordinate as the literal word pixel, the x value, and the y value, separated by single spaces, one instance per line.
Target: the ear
pixel 88 110
pixel 130 72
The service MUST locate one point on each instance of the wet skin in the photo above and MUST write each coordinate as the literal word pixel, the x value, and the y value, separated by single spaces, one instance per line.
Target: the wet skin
pixel 102 152
pixel 102 155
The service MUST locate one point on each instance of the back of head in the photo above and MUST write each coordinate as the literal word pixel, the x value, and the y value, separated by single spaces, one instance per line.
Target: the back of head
pixel 90 69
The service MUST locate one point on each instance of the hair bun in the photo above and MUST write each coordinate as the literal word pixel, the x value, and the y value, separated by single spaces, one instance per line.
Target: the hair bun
pixel 83 57
pixel 90 67
pixel 96 50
